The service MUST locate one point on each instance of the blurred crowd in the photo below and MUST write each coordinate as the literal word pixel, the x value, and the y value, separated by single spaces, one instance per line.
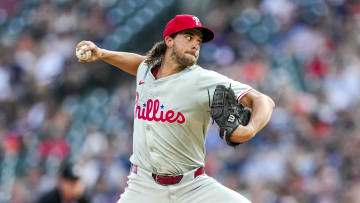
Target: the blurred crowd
pixel 305 54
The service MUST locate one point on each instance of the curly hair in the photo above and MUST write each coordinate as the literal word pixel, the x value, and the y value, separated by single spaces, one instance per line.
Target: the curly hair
pixel 156 53
pixel 154 56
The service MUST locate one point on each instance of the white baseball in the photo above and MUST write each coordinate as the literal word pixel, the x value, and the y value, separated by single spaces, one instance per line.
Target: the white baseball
pixel 81 55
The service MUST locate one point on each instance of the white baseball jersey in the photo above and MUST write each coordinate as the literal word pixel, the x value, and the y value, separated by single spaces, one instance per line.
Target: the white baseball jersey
pixel 172 117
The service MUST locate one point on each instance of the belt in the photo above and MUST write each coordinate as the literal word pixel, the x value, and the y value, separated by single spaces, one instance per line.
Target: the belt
pixel 169 179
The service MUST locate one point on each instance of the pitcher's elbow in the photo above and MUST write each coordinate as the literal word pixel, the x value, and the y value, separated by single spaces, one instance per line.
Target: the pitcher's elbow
pixel 270 102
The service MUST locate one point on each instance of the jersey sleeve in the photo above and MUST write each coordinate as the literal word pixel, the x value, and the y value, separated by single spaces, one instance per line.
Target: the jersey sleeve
pixel 208 80
pixel 140 74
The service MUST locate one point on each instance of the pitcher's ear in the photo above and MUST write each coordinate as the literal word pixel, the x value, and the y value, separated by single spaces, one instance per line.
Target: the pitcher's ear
pixel 169 41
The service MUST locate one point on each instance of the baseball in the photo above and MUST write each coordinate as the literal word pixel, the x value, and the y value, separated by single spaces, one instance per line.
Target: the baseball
pixel 81 55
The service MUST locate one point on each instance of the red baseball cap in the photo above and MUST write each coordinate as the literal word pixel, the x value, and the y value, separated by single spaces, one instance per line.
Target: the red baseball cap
pixel 184 22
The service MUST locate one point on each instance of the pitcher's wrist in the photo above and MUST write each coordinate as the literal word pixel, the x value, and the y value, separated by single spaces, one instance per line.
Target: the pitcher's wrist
pixel 101 53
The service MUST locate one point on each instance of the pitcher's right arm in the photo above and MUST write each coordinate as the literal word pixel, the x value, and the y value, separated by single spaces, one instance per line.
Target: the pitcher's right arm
pixel 128 62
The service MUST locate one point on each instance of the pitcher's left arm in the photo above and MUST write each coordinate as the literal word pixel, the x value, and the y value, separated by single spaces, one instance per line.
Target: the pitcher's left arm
pixel 262 107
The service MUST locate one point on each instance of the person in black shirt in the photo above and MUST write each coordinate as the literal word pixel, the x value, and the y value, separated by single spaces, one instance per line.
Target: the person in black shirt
pixel 69 189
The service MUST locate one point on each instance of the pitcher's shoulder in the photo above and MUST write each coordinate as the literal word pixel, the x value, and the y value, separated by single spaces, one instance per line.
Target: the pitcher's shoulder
pixel 143 66
pixel 142 70
pixel 197 68
pixel 206 72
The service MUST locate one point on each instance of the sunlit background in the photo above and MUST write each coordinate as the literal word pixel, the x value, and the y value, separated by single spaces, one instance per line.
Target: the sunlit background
pixel 305 54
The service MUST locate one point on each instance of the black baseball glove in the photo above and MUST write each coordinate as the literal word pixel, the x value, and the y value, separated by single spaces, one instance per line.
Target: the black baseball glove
pixel 228 113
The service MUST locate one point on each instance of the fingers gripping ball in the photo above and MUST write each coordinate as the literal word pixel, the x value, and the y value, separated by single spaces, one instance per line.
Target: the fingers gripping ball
pixel 81 54
pixel 228 113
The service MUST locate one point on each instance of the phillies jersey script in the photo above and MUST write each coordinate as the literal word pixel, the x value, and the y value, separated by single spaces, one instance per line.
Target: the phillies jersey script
pixel 172 117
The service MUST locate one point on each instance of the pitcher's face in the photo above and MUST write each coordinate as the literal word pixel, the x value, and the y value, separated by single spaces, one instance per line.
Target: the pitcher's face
pixel 186 47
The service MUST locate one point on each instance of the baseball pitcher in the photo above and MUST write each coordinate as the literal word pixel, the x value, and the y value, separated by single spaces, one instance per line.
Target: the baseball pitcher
pixel 175 102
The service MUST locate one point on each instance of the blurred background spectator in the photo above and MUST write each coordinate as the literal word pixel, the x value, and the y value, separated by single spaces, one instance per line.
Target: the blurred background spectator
pixel 69 187
pixel 305 54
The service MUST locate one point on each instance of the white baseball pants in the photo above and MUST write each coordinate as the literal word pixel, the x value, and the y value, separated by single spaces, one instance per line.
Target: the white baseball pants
pixel 142 188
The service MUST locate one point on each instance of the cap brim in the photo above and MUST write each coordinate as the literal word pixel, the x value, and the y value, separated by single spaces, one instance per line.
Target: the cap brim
pixel 207 33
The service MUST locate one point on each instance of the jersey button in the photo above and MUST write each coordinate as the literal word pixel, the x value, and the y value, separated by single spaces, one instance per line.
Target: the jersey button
pixel 147 128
